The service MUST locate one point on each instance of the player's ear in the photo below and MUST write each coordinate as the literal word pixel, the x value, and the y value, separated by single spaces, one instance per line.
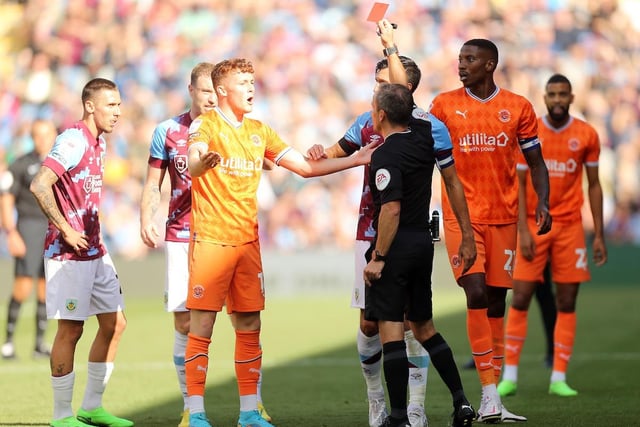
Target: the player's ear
pixel 220 90
pixel 89 106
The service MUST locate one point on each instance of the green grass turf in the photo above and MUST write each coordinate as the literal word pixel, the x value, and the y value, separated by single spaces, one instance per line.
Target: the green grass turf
pixel 311 372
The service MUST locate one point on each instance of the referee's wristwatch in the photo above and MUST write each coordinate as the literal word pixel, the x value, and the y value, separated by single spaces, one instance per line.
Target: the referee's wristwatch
pixel 390 50
pixel 379 256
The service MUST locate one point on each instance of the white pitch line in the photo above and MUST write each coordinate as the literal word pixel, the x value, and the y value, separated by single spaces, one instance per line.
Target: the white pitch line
pixel 15 368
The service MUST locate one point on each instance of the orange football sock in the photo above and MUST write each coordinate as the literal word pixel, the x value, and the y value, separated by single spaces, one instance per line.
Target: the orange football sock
pixel 497 339
pixel 516 333
pixel 563 336
pixel 479 332
pixel 248 361
pixel 196 363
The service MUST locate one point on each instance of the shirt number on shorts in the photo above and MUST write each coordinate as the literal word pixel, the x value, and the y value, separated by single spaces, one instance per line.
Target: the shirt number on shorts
pixel 508 266
pixel 581 262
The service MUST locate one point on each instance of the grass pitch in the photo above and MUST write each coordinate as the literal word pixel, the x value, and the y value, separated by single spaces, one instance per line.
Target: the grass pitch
pixel 311 370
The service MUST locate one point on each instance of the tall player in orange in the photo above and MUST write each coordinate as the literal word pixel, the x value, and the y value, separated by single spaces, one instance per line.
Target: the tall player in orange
pixel 226 154
pixel 489 126
pixel 568 144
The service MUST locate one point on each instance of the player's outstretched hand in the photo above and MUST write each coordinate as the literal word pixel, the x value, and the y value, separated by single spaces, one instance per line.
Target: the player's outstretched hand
pixel 210 159
pixel 316 152
pixel 364 154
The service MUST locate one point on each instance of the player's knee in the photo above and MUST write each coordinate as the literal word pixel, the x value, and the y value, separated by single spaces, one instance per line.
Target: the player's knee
pixel 69 331
pixel 369 328
pixel 520 302
pixel 181 324
pixel 120 325
pixel 423 331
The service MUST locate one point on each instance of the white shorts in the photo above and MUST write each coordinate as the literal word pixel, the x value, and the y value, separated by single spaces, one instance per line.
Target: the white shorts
pixel 177 279
pixel 357 296
pixel 79 289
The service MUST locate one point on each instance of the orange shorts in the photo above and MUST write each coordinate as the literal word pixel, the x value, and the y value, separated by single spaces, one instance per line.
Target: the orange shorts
pixel 564 246
pixel 496 251
pixel 231 274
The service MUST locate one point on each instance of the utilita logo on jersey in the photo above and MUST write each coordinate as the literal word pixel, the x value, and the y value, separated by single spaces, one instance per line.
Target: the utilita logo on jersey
pixel 92 184
pixel 559 169
pixel 238 166
pixel 481 142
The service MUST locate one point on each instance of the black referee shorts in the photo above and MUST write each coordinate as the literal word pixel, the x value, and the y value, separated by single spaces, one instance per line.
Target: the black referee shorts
pixel 405 286
pixel 32 231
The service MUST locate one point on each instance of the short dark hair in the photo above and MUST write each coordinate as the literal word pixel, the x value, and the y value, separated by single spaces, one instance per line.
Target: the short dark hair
pixel 396 101
pixel 413 72
pixel 484 44
pixel 559 78
pixel 96 85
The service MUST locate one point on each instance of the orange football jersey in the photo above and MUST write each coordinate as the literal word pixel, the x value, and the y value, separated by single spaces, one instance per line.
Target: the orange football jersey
pixel 565 151
pixel 487 135
pixel 224 202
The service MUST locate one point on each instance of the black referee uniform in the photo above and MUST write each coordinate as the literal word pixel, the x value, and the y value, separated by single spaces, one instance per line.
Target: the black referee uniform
pixel 32 223
pixel 402 170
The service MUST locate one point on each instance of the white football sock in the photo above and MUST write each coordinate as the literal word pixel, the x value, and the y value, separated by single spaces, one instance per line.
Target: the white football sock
pixel 62 395
pixel 179 348
pixel 419 365
pixel 369 347
pixel 97 379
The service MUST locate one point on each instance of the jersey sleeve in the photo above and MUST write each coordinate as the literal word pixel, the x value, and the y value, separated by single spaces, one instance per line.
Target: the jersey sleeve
pixel 528 128
pixel 6 181
pixel 353 135
pixel 275 148
pixel 199 132
pixel 387 177
pixel 158 156
pixel 592 155
pixel 435 108
pixel 440 132
pixel 67 151
pixel 443 148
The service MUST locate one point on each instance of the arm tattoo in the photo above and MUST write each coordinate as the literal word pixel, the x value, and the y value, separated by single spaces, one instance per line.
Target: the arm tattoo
pixel 42 190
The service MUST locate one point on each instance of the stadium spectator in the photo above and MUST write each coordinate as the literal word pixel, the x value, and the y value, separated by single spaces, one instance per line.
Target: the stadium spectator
pixel 317 53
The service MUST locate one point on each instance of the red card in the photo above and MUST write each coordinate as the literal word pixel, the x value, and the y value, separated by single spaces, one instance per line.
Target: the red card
pixel 377 11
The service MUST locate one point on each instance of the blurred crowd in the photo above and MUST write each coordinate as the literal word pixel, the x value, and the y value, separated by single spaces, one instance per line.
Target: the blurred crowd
pixel 314 65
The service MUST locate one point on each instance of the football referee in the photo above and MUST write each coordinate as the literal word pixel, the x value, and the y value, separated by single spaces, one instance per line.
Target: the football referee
pixel 400 260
